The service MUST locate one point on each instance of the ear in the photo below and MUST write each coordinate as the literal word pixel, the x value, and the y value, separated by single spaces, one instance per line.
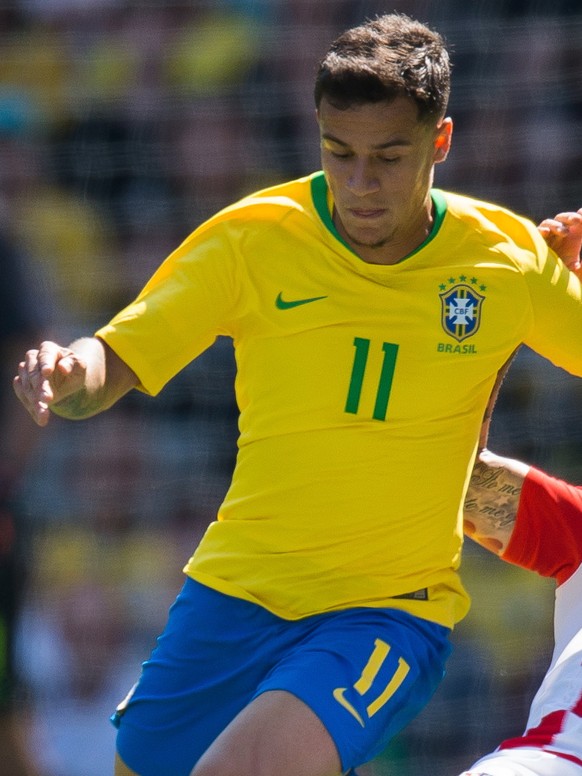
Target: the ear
pixel 443 138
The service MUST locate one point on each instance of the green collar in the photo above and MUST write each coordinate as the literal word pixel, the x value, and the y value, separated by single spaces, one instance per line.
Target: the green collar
pixel 319 192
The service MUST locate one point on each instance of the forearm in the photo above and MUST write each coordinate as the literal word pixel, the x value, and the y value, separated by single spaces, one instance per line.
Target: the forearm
pixel 106 380
pixel 492 500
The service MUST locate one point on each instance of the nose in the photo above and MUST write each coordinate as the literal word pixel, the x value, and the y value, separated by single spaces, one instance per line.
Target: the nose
pixel 362 179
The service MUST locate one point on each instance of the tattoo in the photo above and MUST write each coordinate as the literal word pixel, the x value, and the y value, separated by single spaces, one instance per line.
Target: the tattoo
pixel 491 506
pixel 79 405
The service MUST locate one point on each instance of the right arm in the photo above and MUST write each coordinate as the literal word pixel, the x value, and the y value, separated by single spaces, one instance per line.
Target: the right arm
pixel 73 382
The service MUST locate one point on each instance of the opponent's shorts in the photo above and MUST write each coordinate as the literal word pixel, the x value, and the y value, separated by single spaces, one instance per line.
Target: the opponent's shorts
pixel 364 672
pixel 524 761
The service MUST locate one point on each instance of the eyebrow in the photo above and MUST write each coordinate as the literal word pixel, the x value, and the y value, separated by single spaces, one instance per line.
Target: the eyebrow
pixel 381 146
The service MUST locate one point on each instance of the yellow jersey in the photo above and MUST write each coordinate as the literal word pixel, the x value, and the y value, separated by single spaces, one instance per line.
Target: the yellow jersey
pixel 361 389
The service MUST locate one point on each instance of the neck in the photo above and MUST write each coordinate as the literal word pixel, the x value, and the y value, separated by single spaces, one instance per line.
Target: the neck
pixel 395 246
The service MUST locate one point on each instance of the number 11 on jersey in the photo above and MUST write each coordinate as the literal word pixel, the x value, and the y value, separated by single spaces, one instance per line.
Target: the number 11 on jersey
pixel 362 347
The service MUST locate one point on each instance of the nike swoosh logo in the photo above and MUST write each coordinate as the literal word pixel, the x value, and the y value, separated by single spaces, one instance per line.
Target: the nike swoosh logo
pixel 338 694
pixel 282 304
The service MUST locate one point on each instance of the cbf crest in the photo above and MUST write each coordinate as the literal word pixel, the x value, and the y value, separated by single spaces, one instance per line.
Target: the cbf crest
pixel 461 307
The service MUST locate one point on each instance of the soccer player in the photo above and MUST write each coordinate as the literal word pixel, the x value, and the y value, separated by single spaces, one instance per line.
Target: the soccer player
pixel 537 524
pixel 370 314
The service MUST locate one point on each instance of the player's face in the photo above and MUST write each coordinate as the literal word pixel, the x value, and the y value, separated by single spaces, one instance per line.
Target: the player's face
pixel 379 160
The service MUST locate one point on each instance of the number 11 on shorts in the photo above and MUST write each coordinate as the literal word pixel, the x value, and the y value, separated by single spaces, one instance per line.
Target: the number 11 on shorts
pixel 364 684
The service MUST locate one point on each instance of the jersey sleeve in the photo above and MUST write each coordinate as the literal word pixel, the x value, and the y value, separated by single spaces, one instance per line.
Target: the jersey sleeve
pixel 556 300
pixel 188 302
pixel 547 536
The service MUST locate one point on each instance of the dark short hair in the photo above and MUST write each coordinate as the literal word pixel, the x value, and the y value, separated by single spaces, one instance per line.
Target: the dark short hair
pixel 384 58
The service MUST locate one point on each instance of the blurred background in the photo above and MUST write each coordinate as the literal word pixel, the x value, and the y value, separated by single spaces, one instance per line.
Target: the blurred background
pixel 123 125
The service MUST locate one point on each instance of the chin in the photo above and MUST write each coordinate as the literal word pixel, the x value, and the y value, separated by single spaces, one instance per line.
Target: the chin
pixel 367 241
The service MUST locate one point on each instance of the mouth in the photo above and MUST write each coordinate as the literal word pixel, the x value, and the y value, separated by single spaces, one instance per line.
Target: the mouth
pixel 366 214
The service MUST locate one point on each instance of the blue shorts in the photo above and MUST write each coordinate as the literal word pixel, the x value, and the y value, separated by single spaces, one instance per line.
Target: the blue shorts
pixel 364 672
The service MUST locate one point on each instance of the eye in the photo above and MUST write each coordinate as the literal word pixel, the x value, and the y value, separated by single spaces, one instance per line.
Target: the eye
pixel 337 151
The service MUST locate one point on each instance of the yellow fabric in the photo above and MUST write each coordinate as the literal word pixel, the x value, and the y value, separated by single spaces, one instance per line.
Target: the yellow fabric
pixel 331 507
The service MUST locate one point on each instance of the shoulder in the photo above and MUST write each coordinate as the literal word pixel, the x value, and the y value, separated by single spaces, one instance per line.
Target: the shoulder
pixel 496 228
pixel 269 205
pixel 267 222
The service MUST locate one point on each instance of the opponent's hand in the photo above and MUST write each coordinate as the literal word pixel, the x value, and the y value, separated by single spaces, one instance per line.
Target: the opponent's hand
pixel 46 376
pixel 563 233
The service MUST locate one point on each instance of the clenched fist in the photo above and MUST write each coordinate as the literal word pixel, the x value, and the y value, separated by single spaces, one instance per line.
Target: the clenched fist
pixel 47 376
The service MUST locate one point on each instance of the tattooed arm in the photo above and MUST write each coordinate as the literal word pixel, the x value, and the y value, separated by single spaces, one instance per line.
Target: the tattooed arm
pixel 492 500
pixel 493 495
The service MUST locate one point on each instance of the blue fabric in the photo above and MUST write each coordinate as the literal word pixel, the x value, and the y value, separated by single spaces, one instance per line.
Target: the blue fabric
pixel 217 653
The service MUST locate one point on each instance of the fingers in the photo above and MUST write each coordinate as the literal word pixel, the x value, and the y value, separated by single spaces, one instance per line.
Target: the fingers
pixel 562 223
pixel 30 389
pixel 552 226
pixel 40 376
pixel 569 217
pixel 32 384
pixel 563 233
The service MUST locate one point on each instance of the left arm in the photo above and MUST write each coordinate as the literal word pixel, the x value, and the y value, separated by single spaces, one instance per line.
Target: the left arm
pixel 563 234
pixel 492 500
pixel 493 496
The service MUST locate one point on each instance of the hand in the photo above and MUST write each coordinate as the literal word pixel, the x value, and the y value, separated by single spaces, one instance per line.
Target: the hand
pixel 46 376
pixel 563 233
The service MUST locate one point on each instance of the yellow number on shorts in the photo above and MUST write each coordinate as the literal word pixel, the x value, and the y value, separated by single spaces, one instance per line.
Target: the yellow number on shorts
pixel 364 683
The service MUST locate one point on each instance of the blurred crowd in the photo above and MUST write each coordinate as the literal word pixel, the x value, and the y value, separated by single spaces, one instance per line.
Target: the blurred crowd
pixel 123 125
